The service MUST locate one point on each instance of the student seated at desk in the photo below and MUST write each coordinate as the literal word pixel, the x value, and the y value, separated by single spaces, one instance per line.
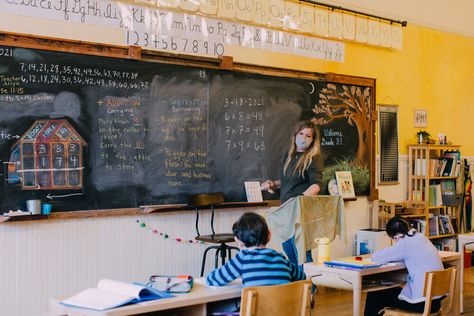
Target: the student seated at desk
pixel 419 256
pixel 256 264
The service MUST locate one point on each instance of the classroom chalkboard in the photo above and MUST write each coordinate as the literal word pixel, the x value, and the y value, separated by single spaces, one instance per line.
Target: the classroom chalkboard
pixel 93 132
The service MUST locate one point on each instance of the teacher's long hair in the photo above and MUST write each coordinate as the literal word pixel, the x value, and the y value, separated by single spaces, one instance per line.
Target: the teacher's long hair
pixel 306 158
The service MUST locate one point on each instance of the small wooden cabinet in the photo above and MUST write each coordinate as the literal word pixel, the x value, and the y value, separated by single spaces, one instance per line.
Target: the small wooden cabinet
pixel 434 180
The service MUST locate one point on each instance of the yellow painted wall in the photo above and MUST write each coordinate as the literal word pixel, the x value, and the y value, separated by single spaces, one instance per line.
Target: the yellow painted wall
pixel 434 71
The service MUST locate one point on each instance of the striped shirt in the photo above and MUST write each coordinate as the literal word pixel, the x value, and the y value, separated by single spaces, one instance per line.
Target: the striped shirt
pixel 258 266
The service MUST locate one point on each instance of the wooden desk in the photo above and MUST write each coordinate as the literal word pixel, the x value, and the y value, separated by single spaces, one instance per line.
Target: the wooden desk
pixel 353 280
pixel 193 303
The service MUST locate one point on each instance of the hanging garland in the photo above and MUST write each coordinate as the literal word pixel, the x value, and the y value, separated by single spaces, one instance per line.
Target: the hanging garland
pixel 166 236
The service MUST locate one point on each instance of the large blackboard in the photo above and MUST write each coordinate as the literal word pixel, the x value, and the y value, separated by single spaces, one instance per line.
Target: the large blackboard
pixel 156 132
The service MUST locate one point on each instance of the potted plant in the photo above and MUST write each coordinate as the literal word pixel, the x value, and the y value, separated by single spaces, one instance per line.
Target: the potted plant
pixel 423 137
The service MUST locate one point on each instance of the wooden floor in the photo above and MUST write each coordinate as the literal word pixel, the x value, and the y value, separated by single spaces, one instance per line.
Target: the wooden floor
pixel 339 303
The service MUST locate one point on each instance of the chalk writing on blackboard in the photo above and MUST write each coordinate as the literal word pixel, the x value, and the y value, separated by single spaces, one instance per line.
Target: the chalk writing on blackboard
pixel 154 132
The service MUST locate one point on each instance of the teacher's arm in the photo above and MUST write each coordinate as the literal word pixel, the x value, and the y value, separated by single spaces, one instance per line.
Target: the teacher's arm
pixel 312 190
pixel 315 176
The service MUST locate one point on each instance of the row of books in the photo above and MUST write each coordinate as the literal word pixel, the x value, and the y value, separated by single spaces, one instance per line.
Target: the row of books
pixel 443 193
pixel 437 224
pixel 448 165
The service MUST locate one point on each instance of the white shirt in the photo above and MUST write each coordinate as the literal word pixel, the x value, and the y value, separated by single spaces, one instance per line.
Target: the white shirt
pixel 419 255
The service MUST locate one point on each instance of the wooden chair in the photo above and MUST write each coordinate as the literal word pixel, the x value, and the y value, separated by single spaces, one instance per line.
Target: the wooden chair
pixel 223 250
pixel 292 299
pixel 437 283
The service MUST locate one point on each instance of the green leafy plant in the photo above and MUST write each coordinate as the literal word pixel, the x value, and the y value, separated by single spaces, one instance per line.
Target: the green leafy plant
pixel 424 135
pixel 360 175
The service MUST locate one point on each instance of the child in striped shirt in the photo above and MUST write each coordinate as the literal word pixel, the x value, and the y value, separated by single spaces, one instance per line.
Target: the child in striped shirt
pixel 256 264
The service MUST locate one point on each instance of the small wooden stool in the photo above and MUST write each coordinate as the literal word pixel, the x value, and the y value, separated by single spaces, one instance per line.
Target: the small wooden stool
pixel 223 250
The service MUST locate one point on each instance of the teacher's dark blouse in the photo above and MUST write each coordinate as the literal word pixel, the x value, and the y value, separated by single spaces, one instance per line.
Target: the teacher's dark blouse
pixel 293 184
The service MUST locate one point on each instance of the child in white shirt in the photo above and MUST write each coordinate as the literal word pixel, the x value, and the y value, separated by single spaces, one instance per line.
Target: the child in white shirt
pixel 419 256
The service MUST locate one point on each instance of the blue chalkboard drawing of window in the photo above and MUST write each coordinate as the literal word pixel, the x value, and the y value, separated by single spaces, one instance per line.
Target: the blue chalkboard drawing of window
pixel 49 155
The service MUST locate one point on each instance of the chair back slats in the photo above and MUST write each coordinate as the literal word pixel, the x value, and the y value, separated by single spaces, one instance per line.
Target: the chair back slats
pixel 437 283
pixel 292 299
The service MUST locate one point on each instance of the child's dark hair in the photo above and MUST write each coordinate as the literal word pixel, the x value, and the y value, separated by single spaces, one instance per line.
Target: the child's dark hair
pixel 398 225
pixel 251 229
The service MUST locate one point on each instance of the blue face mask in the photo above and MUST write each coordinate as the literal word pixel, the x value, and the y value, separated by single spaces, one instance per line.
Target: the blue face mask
pixel 302 143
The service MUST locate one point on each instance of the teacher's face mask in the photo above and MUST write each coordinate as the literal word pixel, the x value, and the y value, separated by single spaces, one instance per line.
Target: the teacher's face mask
pixel 303 139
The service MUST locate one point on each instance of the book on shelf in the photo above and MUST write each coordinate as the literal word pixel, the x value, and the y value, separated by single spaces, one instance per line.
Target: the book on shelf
pixel 418 224
pixel 417 196
pixel 433 226
pixel 435 198
pixel 420 167
pixel 111 294
pixel 447 166
pixel 445 244
pixel 454 224
pixel 456 157
pixel 450 198
pixel 446 224
pixel 448 187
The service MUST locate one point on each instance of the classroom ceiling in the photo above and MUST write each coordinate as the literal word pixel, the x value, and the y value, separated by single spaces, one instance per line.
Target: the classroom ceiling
pixel 452 16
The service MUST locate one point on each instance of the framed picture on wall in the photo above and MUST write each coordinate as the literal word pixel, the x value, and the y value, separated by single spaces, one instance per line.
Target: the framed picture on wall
pixel 421 118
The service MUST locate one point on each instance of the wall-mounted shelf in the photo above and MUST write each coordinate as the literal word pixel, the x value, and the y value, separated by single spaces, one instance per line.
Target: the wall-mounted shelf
pixel 22 218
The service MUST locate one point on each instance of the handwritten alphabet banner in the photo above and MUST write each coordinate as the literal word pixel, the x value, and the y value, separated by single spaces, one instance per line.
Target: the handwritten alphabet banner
pixel 177 32
pixel 211 27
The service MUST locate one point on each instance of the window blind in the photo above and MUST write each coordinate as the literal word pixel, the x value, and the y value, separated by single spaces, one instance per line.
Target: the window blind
pixel 388 143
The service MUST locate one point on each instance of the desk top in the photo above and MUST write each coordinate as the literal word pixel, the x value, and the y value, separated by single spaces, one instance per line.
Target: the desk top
pixel 200 294
pixel 313 268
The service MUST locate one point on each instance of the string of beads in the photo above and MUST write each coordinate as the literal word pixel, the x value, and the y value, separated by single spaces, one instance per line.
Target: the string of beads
pixel 167 236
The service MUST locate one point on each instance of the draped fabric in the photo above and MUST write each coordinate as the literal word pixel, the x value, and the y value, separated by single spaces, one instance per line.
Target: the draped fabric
pixel 305 218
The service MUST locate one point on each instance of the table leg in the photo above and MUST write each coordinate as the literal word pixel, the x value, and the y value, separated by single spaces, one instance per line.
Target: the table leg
pixel 458 303
pixel 461 276
pixel 357 296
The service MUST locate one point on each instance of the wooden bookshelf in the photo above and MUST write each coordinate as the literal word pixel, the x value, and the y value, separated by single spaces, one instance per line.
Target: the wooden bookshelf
pixel 430 165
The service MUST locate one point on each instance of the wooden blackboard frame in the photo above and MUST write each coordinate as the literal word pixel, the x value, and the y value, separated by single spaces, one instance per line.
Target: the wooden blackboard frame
pixel 225 63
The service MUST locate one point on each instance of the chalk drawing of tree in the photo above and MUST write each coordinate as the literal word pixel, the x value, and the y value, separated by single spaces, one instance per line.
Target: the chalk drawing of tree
pixel 352 104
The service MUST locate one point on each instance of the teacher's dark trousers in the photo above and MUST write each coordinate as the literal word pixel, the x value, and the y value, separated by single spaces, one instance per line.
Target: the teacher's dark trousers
pixel 377 300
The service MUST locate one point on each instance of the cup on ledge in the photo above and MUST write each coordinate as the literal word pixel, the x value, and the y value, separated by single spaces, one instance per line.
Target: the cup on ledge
pixel 33 206
pixel 46 208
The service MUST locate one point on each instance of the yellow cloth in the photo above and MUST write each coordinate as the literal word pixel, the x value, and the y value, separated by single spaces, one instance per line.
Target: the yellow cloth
pixel 308 218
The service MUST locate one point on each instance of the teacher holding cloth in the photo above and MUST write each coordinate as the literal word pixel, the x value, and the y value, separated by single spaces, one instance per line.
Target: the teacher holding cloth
pixel 301 174
pixel 302 165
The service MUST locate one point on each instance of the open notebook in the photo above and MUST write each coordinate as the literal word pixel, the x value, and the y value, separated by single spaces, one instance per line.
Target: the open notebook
pixel 111 294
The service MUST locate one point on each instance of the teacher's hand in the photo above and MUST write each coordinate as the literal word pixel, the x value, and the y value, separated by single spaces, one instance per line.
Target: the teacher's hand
pixel 267 185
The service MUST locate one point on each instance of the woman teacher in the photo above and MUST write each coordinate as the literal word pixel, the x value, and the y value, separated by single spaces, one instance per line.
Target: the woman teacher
pixel 302 165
